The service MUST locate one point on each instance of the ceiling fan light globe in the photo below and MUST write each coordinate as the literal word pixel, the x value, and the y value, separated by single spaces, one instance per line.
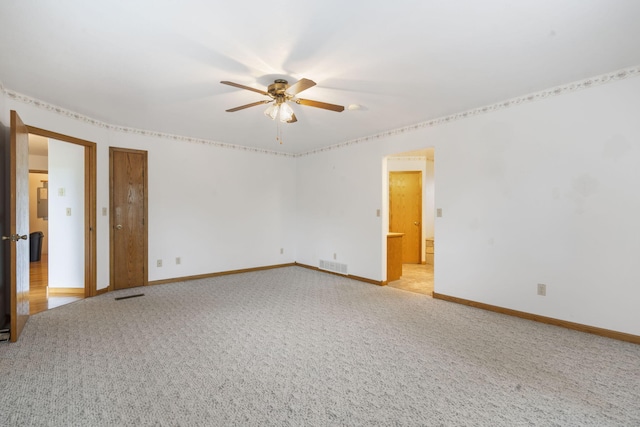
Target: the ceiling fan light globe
pixel 272 111
pixel 286 113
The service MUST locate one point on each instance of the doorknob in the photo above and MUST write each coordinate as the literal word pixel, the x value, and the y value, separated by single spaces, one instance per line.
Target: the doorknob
pixel 416 223
pixel 15 237
pixel 119 227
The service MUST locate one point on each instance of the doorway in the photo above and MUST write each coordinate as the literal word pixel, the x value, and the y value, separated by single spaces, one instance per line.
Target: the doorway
pixel 16 200
pixel 410 189
pixel 61 214
pixel 128 227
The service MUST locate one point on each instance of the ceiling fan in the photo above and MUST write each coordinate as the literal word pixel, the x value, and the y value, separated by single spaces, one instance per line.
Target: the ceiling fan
pixel 280 93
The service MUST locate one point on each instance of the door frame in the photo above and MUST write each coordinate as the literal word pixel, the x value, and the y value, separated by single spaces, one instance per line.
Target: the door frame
pixel 145 228
pixel 90 159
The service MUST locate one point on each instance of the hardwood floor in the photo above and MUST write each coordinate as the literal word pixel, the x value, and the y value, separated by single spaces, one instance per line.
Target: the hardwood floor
pixel 415 278
pixel 40 299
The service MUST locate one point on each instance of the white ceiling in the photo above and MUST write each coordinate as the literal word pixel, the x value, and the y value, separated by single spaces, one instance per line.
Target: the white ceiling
pixel 156 65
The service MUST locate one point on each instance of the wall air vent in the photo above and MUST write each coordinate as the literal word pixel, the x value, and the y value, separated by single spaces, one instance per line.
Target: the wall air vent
pixel 336 267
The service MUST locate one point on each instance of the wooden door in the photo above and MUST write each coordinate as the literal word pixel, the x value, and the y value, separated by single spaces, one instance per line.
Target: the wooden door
pixel 18 227
pixel 128 171
pixel 405 212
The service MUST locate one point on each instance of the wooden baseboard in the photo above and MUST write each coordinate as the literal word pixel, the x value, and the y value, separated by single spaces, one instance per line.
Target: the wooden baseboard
pixel 621 336
pixel 358 278
pixel 221 273
pixel 247 270
pixel 66 292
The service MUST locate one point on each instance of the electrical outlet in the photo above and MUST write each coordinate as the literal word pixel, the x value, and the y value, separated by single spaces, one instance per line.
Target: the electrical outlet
pixel 281 251
pixel 542 289
pixel 159 263
pixel 335 255
pixel 178 260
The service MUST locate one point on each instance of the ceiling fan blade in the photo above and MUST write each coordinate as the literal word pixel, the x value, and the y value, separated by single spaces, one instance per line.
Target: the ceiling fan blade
pixel 245 87
pixel 293 119
pixel 253 104
pixel 318 104
pixel 299 86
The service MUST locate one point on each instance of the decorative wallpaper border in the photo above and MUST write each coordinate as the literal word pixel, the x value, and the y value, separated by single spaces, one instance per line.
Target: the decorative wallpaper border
pixel 409 158
pixel 124 129
pixel 532 97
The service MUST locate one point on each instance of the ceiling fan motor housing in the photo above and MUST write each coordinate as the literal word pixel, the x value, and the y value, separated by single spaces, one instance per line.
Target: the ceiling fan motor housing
pixel 278 88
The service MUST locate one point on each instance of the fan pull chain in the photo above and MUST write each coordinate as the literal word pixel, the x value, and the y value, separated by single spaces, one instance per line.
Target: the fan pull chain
pixel 278 132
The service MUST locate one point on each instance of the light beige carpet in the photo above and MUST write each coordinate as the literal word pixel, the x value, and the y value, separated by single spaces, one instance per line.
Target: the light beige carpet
pixel 294 347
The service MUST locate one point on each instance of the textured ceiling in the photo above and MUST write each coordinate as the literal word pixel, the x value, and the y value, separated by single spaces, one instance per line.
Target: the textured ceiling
pixel 156 65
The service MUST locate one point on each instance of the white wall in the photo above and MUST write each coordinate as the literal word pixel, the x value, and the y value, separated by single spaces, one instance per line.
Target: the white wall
pixel 429 189
pixel 217 208
pixel 543 192
pixel 540 192
pixel 338 195
pixel 66 215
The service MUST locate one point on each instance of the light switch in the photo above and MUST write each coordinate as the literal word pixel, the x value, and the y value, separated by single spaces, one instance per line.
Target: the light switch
pixel 104 211
pixel 439 212
pixel 68 211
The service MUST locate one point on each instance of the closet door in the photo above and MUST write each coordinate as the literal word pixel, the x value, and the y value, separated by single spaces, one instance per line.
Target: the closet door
pixel 128 170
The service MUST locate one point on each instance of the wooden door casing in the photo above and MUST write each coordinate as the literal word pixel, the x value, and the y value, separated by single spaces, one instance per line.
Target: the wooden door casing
pixel 128 171
pixel 90 156
pixel 18 226
pixel 405 212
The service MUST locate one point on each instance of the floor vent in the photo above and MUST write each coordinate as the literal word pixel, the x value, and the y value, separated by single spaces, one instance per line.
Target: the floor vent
pixel 336 267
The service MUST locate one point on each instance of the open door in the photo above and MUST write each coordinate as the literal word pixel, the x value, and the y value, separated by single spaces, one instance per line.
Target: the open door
pixel 18 226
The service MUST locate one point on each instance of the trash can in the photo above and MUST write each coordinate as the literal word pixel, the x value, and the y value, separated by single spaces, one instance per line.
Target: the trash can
pixel 35 245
